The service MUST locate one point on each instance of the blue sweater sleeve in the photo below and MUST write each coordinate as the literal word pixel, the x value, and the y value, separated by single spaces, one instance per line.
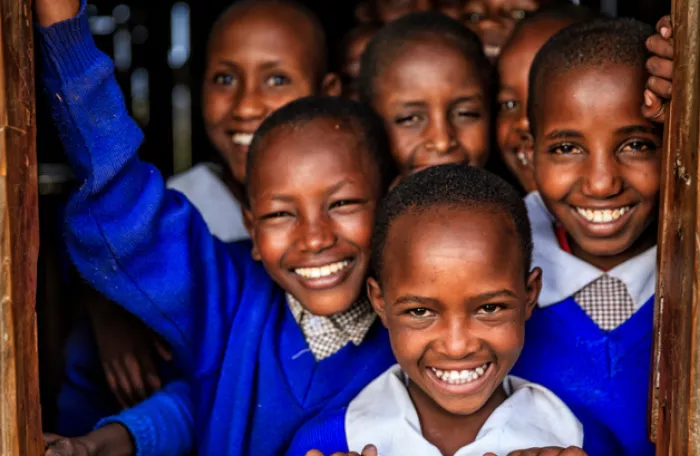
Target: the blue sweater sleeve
pixel 325 433
pixel 144 247
pixel 162 424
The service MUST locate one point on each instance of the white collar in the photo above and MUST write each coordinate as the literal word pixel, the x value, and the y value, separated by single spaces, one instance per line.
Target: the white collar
pixel 563 274
pixel 532 416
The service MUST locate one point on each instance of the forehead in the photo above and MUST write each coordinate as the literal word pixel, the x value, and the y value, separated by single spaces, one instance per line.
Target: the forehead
pixel 452 244
pixel 320 151
pixel 269 30
pixel 594 98
pixel 425 66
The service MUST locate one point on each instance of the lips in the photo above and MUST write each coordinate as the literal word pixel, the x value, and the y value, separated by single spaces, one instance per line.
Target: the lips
pixel 324 276
pixel 603 222
pixel 460 377
pixel 603 215
pixel 461 382
pixel 242 139
pixel 322 271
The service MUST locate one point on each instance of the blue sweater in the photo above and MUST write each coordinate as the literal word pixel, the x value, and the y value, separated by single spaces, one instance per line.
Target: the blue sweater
pixel 160 425
pixel 602 374
pixel 254 382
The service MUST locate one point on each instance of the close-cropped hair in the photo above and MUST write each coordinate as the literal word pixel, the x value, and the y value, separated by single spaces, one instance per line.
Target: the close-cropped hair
pixel 390 41
pixel 600 44
pixel 452 186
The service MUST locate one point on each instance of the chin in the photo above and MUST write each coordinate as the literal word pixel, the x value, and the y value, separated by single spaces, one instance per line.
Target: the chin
pixel 330 304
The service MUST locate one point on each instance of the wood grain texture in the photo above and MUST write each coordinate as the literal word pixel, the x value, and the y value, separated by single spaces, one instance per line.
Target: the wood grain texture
pixel 20 413
pixel 677 424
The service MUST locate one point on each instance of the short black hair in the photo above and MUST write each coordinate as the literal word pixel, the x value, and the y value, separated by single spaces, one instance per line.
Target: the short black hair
pixel 320 40
pixel 451 185
pixel 563 11
pixel 361 119
pixel 599 44
pixel 389 42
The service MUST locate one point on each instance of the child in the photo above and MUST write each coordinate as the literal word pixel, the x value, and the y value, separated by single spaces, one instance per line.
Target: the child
pixel 278 50
pixel 512 128
pixel 597 169
pixel 260 356
pixel 456 313
pixel 426 76
pixel 494 20
pixel 350 53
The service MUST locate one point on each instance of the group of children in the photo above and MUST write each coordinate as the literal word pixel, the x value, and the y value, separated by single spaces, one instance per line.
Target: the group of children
pixel 394 297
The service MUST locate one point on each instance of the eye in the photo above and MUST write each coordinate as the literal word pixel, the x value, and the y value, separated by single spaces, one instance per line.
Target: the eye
pixel 278 80
pixel 508 105
pixel 490 309
pixel 346 203
pixel 408 120
pixel 639 146
pixel 419 312
pixel 518 14
pixel 467 114
pixel 475 17
pixel 276 215
pixel 223 79
pixel 564 149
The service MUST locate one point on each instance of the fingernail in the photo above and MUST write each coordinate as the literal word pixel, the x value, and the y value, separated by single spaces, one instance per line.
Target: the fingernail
pixel 647 99
pixel 665 32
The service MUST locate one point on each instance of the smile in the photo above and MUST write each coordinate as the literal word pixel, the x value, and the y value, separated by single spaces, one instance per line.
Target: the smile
pixel 460 377
pixel 603 216
pixel 492 51
pixel 242 139
pixel 322 271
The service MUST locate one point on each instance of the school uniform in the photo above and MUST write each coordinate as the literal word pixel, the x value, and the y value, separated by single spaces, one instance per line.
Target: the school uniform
pixel 253 377
pixel 589 339
pixel 383 414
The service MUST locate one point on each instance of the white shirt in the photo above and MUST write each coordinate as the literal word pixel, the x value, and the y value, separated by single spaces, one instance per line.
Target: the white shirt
pixel 532 416
pixel 208 193
pixel 563 274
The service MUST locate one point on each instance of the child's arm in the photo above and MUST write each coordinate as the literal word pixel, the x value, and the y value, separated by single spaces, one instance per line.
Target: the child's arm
pixel 144 247
pixel 112 440
pixel 660 67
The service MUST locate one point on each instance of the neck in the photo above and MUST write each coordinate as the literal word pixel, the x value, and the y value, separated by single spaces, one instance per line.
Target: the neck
pixel 447 431
pixel 646 241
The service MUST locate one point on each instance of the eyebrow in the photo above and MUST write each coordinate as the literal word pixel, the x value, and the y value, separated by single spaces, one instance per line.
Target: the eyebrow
pixel 290 199
pixel 412 299
pixel 421 104
pixel 635 129
pixel 561 134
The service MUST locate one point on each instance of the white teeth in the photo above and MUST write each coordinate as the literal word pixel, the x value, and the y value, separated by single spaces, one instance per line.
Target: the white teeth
pixel 243 139
pixel 323 271
pixel 492 51
pixel 454 377
pixel 604 216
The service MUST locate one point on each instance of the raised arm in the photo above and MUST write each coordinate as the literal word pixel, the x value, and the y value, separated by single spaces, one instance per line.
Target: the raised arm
pixel 144 247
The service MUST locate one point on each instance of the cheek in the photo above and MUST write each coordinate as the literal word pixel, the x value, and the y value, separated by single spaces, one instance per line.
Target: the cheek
pixel 503 126
pixel 357 229
pixel 272 243
pixel 474 138
pixel 507 340
pixel 403 141
pixel 408 345
pixel 646 179
pixel 216 105
pixel 554 181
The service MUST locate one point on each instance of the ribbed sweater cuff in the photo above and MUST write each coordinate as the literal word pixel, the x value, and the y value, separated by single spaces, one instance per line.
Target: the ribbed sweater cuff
pixel 68 49
pixel 139 427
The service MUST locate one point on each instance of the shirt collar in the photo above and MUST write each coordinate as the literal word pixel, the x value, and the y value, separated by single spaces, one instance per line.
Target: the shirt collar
pixel 563 274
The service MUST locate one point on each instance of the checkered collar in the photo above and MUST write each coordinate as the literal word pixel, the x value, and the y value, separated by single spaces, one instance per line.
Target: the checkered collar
pixel 563 274
pixel 327 335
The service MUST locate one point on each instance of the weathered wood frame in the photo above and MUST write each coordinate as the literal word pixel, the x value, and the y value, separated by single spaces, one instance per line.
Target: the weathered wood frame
pixel 675 391
pixel 20 413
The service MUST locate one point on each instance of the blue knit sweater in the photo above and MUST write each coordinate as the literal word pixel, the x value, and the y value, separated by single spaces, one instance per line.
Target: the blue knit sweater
pixel 254 381
pixel 602 374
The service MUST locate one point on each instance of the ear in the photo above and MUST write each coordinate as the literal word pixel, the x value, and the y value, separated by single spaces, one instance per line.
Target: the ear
pixel 249 225
pixel 331 85
pixel 376 297
pixel 534 286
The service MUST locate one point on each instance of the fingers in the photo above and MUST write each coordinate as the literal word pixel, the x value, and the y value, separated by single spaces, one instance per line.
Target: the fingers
pixel 550 451
pixel 654 108
pixel 114 386
pixel 150 374
pixel 660 68
pixel 65 447
pixel 660 87
pixel 135 378
pixel 162 349
pixel 369 450
pixel 664 27
pixel 314 453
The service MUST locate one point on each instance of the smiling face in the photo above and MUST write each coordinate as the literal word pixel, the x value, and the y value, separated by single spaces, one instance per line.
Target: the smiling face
pixel 260 57
pixel 434 106
pixel 597 162
pixel 494 20
pixel 313 195
pixel 455 298
pixel 512 126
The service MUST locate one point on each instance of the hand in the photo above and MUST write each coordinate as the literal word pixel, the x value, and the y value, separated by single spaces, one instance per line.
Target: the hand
pixel 58 446
pixel 128 351
pixel 110 440
pixel 660 67
pixel 549 451
pixel 48 12
pixel 369 450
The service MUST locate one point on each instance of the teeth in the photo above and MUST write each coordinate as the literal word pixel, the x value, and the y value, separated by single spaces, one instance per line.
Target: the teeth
pixel 492 51
pixel 604 216
pixel 243 139
pixel 454 377
pixel 323 271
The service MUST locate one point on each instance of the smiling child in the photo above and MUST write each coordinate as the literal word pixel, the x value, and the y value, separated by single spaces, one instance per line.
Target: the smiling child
pixel 426 76
pixel 597 168
pixel 456 310
pixel 512 128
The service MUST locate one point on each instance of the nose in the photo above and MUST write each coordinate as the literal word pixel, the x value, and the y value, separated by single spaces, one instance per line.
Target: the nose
pixel 441 136
pixel 316 235
pixel 248 104
pixel 457 341
pixel 602 177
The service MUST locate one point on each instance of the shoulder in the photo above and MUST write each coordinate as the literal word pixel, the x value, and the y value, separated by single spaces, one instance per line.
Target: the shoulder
pixel 325 433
